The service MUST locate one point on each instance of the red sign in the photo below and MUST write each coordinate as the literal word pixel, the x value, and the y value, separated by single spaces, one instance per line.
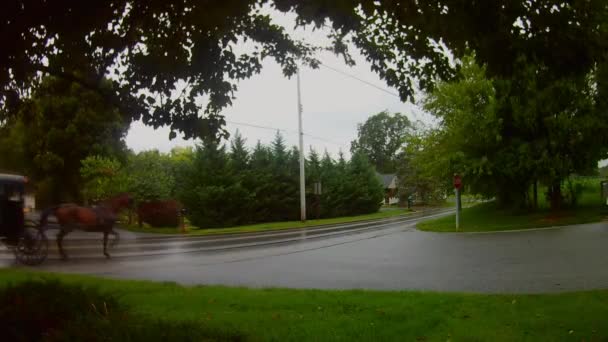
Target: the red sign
pixel 457 182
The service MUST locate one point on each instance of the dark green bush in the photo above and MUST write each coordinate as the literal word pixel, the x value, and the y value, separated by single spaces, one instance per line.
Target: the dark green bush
pixel 55 311
pixel 223 188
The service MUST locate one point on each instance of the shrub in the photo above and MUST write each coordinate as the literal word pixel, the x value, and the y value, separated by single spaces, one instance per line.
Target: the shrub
pixel 36 310
pixel 159 213
pixel 55 311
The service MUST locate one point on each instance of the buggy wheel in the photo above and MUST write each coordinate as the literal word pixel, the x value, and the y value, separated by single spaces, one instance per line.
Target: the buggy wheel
pixel 32 246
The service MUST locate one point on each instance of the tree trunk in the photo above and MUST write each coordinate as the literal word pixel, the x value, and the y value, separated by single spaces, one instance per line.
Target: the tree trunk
pixel 556 195
pixel 535 191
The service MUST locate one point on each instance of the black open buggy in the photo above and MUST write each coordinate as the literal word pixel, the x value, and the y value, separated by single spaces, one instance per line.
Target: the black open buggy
pixel 24 237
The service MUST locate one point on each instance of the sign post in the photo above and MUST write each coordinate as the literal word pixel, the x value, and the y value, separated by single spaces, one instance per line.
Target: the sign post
pixel 316 205
pixel 457 186
pixel 604 192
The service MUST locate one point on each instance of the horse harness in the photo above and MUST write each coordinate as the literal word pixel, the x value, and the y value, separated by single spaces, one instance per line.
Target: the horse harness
pixel 103 216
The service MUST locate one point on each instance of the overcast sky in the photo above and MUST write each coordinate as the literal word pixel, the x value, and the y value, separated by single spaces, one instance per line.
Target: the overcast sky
pixel 333 104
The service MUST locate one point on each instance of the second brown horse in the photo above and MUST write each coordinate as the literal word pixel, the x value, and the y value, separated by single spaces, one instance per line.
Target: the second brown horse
pixel 100 218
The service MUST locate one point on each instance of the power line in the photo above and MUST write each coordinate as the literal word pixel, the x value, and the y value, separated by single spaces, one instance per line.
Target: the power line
pixel 286 131
pixel 367 83
pixel 261 127
pixel 313 136
pixel 360 80
pixel 324 140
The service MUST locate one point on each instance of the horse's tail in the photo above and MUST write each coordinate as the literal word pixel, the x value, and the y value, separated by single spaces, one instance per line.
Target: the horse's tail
pixel 44 217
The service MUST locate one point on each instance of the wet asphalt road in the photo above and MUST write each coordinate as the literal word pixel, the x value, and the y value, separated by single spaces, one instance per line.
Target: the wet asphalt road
pixel 389 255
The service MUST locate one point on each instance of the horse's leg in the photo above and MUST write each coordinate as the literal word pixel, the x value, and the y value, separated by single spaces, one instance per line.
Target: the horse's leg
pixel 63 231
pixel 116 238
pixel 105 244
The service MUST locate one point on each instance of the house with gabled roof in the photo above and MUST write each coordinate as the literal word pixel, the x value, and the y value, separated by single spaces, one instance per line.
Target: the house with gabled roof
pixel 390 184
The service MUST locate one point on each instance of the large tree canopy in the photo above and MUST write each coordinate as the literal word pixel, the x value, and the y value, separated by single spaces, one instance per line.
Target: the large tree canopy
pixel 61 124
pixel 508 135
pixel 165 57
pixel 380 138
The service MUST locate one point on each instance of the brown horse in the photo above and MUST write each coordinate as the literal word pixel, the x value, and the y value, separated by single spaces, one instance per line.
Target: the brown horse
pixel 100 218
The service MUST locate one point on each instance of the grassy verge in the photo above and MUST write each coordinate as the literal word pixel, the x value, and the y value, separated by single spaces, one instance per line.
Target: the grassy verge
pixel 270 226
pixel 488 217
pixel 305 315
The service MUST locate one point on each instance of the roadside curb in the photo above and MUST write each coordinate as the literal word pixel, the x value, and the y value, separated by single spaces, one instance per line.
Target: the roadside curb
pixel 522 230
pixel 153 236
pixel 570 226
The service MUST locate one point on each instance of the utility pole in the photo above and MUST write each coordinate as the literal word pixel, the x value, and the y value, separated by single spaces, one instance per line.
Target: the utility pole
pixel 458 209
pixel 302 174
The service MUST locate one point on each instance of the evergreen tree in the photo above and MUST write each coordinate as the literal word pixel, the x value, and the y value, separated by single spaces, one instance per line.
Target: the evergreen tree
pixel 341 161
pixel 313 176
pixel 224 189
pixel 363 191
pixel 293 163
pixel 279 152
pixel 260 157
pixel 239 156
pixel 283 193
pixel 313 167
pixel 211 194
pixel 332 177
pixel 327 166
pixel 262 183
pixel 244 181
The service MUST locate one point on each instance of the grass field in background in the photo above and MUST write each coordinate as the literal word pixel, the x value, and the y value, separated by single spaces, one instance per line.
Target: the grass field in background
pixel 272 225
pixel 488 217
pixel 355 315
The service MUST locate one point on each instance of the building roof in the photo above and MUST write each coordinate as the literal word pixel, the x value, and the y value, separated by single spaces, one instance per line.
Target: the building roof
pixel 386 179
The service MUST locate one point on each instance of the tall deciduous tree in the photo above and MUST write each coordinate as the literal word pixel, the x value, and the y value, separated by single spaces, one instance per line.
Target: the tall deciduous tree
pixel 505 135
pixel 469 134
pixel 60 125
pixel 157 47
pixel 102 178
pixel 12 145
pixel 604 171
pixel 150 176
pixel 380 138
pixel 424 167
pixel 162 55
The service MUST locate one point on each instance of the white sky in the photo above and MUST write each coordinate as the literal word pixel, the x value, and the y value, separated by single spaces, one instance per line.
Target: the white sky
pixel 333 104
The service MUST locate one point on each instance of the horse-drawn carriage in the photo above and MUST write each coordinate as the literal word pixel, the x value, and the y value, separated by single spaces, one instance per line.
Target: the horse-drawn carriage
pixel 25 238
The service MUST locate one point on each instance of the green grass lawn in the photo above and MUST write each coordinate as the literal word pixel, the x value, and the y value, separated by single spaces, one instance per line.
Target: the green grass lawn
pixel 488 217
pixel 354 315
pixel 272 225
